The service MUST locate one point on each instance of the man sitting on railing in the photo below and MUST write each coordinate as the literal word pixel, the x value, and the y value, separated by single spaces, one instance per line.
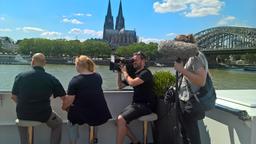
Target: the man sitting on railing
pixel 142 97
pixel 32 91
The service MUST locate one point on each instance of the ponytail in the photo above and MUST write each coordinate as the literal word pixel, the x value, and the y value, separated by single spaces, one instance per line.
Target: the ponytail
pixel 85 62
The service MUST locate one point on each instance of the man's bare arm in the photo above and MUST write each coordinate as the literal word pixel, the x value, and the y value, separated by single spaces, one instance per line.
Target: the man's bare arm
pixel 120 84
pixel 67 101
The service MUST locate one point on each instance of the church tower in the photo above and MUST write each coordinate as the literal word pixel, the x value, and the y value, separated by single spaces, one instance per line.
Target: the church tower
pixel 120 18
pixel 109 24
pixel 118 36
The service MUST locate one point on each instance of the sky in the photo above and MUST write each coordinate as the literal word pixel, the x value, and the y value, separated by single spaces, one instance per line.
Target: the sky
pixel 153 20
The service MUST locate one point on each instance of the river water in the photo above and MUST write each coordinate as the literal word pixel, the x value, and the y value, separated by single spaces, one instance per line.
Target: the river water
pixel 222 78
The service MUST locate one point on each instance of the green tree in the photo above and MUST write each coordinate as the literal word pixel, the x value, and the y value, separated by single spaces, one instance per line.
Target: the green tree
pixel 96 48
pixel 149 49
pixel 93 48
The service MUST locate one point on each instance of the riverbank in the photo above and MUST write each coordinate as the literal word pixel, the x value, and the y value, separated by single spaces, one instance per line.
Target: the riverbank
pixel 25 60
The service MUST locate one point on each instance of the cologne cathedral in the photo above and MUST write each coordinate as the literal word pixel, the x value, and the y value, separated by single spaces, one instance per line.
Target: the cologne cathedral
pixel 118 36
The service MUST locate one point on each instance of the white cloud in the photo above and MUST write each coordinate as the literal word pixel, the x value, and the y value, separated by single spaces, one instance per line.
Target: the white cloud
pixel 32 29
pixel 41 32
pixel 148 40
pixel 82 14
pixel 75 31
pixel 88 32
pixel 50 34
pixel 204 8
pixel 5 30
pixel 73 21
pixel 79 14
pixel 232 21
pixel 171 34
pixel 93 32
pixel 2 18
pixel 169 6
pixel 228 20
pixel 88 15
pixel 190 8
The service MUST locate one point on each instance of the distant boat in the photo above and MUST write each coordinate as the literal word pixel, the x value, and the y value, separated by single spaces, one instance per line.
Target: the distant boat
pixel 250 68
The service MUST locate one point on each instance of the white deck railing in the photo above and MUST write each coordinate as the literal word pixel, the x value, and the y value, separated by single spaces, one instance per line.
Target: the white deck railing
pixel 232 122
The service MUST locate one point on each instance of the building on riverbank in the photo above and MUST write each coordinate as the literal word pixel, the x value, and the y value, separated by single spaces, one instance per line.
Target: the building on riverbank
pixel 13 59
pixel 7 44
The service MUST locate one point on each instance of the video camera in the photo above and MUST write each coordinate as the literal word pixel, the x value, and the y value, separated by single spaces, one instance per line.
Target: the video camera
pixel 115 65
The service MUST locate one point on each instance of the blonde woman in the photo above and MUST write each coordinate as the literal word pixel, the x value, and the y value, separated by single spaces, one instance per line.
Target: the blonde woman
pixel 85 102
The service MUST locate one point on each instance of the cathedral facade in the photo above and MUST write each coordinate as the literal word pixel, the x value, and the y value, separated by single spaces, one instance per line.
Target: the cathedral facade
pixel 118 36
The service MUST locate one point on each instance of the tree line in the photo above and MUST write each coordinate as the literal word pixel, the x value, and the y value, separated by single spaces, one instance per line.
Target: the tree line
pixel 92 47
pixel 62 47
pixel 96 48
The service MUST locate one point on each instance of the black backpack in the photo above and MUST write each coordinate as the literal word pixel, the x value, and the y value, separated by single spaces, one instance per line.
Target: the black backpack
pixel 207 95
pixel 201 101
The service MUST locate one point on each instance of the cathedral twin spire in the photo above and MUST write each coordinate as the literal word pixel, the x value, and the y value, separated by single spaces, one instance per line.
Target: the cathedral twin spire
pixel 120 18
pixel 109 24
pixel 109 18
pixel 117 36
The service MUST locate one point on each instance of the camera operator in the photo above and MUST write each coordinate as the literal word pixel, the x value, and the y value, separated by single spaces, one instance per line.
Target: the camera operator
pixel 116 62
pixel 142 96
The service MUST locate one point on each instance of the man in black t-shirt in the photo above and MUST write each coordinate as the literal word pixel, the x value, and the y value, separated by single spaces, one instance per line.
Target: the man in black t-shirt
pixel 32 91
pixel 143 93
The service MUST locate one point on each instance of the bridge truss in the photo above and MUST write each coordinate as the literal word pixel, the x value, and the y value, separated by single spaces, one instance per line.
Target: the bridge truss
pixel 227 39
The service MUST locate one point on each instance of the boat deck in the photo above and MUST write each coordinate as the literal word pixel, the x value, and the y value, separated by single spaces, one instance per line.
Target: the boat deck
pixel 232 122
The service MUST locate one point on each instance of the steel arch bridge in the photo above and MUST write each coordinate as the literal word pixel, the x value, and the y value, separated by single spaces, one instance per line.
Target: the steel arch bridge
pixel 227 40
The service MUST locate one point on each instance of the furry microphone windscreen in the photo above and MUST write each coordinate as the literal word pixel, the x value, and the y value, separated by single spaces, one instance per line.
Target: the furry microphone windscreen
pixel 177 49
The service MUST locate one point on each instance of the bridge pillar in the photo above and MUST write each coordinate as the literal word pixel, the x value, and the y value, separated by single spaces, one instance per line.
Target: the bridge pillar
pixel 212 62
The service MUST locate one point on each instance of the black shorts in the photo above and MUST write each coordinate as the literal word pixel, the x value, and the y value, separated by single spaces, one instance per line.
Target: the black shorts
pixel 134 111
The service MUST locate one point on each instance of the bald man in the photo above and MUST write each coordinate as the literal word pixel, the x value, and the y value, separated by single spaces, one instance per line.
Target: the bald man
pixel 32 91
